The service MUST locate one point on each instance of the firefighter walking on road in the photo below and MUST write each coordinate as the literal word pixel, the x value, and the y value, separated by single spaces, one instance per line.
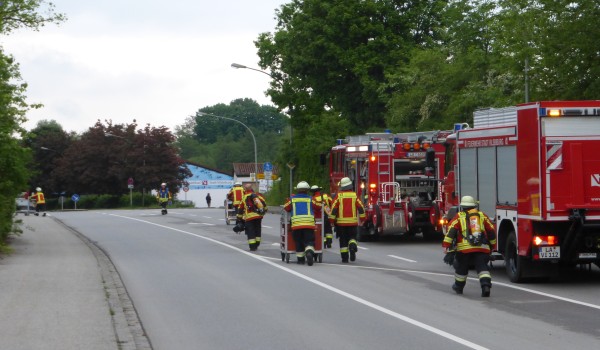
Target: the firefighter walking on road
pixel 323 204
pixel 250 212
pixel 473 233
pixel 302 211
pixel 40 202
pixel 164 197
pixel 346 211
pixel 235 195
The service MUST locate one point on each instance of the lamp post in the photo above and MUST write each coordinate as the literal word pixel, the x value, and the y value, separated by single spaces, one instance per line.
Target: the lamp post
pixel 251 133
pixel 241 66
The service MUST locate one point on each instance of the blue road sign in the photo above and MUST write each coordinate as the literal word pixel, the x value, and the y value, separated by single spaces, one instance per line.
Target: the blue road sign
pixel 267 166
pixel 75 198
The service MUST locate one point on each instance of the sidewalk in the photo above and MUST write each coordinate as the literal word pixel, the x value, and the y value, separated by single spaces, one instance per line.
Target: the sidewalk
pixel 53 294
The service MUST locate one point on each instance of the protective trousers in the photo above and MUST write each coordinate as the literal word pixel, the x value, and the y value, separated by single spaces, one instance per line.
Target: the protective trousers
pixel 348 244
pixel 305 241
pixel 254 233
pixel 461 268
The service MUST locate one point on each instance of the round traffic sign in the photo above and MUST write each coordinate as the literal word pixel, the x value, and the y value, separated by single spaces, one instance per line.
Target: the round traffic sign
pixel 185 189
pixel 75 198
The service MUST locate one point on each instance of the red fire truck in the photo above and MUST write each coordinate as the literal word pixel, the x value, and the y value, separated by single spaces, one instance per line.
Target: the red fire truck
pixel 535 169
pixel 397 178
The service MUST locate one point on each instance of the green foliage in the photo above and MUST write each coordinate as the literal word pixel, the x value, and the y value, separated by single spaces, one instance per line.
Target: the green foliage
pixel 217 142
pixel 32 14
pixel 13 157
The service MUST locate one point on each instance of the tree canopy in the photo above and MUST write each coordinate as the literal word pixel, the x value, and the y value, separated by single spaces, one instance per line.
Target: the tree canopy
pixel 218 142
pixel 366 65
pixel 14 158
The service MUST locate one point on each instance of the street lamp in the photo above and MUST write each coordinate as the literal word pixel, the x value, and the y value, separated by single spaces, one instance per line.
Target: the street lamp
pixel 251 133
pixel 241 66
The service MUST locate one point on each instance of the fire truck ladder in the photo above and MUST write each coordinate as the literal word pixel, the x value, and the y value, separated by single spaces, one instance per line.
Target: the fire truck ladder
pixel 384 168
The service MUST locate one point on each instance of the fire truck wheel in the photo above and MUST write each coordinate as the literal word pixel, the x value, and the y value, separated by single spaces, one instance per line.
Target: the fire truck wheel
pixel 282 256
pixel 515 264
pixel 287 258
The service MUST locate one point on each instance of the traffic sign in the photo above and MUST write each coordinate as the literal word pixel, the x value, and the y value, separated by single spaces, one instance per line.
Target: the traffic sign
pixel 267 167
pixel 130 181
pixel 130 186
pixel 185 188
pixel 268 175
pixel 75 198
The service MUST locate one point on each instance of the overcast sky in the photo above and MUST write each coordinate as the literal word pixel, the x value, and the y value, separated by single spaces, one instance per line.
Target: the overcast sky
pixel 154 61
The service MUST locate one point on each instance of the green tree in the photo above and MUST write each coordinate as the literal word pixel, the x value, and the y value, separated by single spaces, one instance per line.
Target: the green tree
pixel 13 105
pixel 217 142
pixel 48 142
pixel 102 159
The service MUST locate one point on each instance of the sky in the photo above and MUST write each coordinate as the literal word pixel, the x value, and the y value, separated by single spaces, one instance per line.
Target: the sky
pixel 152 61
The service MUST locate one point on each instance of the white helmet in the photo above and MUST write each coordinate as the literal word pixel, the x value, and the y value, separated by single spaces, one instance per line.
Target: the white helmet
pixel 345 182
pixel 39 189
pixel 163 184
pixel 237 183
pixel 468 201
pixel 315 188
pixel 303 185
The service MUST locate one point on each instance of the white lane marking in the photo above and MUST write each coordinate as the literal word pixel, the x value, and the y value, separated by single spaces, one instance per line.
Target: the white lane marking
pixel 208 217
pixel 363 248
pixel 277 244
pixel 328 287
pixel 266 226
pixel 400 258
pixel 200 223
pixel 193 215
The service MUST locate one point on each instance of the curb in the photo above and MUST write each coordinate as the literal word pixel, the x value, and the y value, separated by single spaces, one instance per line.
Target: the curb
pixel 129 330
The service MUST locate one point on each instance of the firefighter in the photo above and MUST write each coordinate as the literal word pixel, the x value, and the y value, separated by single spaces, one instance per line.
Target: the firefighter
pixel 323 204
pixel 40 202
pixel 346 211
pixel 235 195
pixel 474 235
pixel 163 196
pixel 250 214
pixel 302 208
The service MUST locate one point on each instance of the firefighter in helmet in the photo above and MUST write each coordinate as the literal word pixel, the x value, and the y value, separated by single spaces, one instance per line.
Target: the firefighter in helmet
pixel 250 214
pixel 346 212
pixel 302 209
pixel 235 195
pixel 323 204
pixel 40 202
pixel 473 233
pixel 163 196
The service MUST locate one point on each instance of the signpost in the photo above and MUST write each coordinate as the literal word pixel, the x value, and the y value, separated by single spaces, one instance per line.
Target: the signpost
pixel 268 171
pixel 291 166
pixel 130 186
pixel 75 199
pixel 185 189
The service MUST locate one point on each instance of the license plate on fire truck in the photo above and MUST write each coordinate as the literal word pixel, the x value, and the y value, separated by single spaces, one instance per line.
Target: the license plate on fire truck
pixel 549 252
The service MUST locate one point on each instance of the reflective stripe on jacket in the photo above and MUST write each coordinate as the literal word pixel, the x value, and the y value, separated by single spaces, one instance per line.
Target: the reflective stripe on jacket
pixel 39 198
pixel 346 209
pixel 163 195
pixel 236 195
pixel 460 224
pixel 324 200
pixel 303 214
pixel 247 208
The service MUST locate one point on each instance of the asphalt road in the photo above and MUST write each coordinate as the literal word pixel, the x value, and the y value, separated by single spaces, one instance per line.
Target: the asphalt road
pixel 195 285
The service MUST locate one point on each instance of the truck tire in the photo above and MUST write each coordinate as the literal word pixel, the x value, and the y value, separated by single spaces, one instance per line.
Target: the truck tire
pixel 514 263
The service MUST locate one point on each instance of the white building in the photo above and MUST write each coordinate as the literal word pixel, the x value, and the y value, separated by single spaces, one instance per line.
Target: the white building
pixel 205 180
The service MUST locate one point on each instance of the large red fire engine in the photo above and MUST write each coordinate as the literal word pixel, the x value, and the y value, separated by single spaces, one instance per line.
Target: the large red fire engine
pixel 397 178
pixel 535 169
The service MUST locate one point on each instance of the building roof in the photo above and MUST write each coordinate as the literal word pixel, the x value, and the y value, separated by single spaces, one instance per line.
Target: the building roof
pixel 244 169
pixel 209 168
